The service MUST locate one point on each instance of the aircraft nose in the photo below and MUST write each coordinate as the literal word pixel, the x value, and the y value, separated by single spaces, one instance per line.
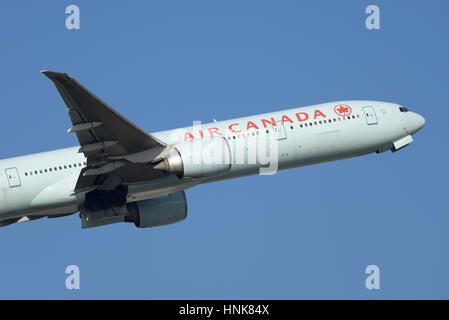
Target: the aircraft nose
pixel 416 122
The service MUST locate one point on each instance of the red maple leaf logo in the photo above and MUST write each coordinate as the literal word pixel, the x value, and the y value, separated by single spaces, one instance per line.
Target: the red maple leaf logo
pixel 343 110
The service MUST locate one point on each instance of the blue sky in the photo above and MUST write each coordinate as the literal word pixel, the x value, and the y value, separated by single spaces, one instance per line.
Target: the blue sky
pixel 303 233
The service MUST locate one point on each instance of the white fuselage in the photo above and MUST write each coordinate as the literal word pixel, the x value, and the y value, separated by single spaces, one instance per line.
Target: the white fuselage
pixel 43 183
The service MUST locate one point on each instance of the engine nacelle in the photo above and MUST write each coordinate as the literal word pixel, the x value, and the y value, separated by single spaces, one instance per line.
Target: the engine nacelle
pixel 158 211
pixel 198 158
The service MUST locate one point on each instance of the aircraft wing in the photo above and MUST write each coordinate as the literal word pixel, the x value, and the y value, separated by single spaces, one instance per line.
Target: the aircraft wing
pixel 117 150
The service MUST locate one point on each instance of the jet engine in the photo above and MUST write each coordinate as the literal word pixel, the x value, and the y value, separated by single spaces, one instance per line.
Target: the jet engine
pixel 145 213
pixel 199 158
pixel 158 211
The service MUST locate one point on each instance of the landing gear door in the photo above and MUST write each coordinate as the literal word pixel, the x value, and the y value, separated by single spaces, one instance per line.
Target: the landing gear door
pixel 13 177
pixel 370 115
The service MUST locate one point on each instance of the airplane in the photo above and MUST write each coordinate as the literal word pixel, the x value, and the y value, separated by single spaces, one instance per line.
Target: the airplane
pixel 120 173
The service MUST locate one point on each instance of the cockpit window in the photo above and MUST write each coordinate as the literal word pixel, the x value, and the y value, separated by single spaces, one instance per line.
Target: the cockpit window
pixel 402 109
